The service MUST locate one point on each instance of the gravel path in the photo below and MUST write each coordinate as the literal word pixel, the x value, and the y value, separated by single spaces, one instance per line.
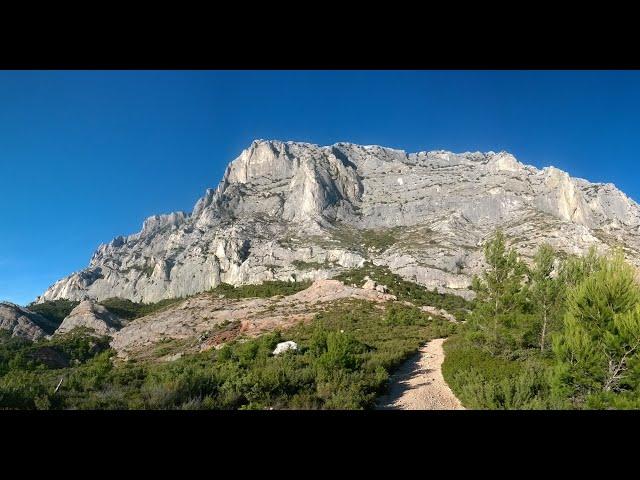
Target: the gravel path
pixel 419 385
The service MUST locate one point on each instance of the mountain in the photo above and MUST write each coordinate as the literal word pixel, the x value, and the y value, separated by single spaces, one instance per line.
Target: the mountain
pixel 297 211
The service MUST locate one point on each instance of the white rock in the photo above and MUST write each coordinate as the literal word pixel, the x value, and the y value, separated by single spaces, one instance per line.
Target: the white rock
pixel 284 346
pixel 369 285
pixel 439 312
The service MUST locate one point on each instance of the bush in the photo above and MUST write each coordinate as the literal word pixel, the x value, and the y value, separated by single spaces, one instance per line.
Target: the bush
pixel 341 352
pixel 128 310
pixel 483 381
pixel 263 290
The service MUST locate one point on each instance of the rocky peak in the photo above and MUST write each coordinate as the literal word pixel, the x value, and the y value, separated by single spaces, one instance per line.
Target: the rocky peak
pixel 91 315
pixel 504 161
pixel 157 222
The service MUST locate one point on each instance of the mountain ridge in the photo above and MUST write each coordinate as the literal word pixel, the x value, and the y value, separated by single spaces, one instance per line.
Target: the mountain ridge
pixel 341 196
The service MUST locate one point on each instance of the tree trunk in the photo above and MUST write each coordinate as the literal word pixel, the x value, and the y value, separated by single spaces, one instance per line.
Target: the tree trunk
pixel 544 331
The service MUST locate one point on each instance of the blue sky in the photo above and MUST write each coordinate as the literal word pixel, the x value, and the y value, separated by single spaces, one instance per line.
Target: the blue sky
pixel 86 156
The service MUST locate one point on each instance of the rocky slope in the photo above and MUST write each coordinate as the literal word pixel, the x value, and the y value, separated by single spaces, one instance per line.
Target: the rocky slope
pixel 89 314
pixel 206 320
pixel 21 322
pixel 287 210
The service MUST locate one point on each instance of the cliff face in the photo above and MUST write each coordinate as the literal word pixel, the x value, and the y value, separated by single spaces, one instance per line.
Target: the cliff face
pixel 300 211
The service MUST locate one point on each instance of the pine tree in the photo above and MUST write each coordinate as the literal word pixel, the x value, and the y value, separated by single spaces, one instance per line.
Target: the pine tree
pixel 500 289
pixel 576 268
pixel 598 350
pixel 545 290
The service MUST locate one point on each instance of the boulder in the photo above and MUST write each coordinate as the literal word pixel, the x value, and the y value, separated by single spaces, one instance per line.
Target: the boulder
pixel 285 346
pixel 369 285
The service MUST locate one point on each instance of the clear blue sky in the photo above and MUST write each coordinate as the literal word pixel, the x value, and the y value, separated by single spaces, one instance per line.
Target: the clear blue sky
pixel 86 156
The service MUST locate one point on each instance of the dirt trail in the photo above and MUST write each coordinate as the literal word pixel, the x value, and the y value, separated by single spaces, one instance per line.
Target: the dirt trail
pixel 419 385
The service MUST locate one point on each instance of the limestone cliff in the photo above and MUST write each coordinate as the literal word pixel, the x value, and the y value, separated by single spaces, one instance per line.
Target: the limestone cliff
pixel 288 210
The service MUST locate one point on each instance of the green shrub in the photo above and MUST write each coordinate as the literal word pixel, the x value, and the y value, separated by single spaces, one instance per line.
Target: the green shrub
pixel 128 310
pixel 483 381
pixel 341 352
pixel 263 290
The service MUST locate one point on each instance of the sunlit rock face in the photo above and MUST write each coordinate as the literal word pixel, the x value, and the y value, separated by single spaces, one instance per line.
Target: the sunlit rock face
pixel 295 211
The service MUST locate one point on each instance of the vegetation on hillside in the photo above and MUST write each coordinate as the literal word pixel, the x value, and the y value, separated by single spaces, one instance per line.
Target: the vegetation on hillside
pixel 405 290
pixel 344 360
pixel 302 265
pixel 562 333
pixel 262 290
pixel 128 310
pixel 54 310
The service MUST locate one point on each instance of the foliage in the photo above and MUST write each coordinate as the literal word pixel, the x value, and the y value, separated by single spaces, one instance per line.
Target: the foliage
pixel 499 293
pixel 405 290
pixel 54 310
pixel 598 351
pixel 484 381
pixel 129 310
pixel 365 240
pixel 72 348
pixel 590 308
pixel 263 290
pixel 302 265
pixel 545 293
pixel 344 360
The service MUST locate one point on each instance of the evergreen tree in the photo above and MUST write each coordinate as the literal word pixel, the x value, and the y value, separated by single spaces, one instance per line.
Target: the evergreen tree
pixel 500 292
pixel 598 350
pixel 545 290
pixel 576 268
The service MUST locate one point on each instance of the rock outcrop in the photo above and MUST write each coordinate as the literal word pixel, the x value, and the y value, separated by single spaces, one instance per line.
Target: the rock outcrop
pixel 287 210
pixel 23 323
pixel 89 314
pixel 285 347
